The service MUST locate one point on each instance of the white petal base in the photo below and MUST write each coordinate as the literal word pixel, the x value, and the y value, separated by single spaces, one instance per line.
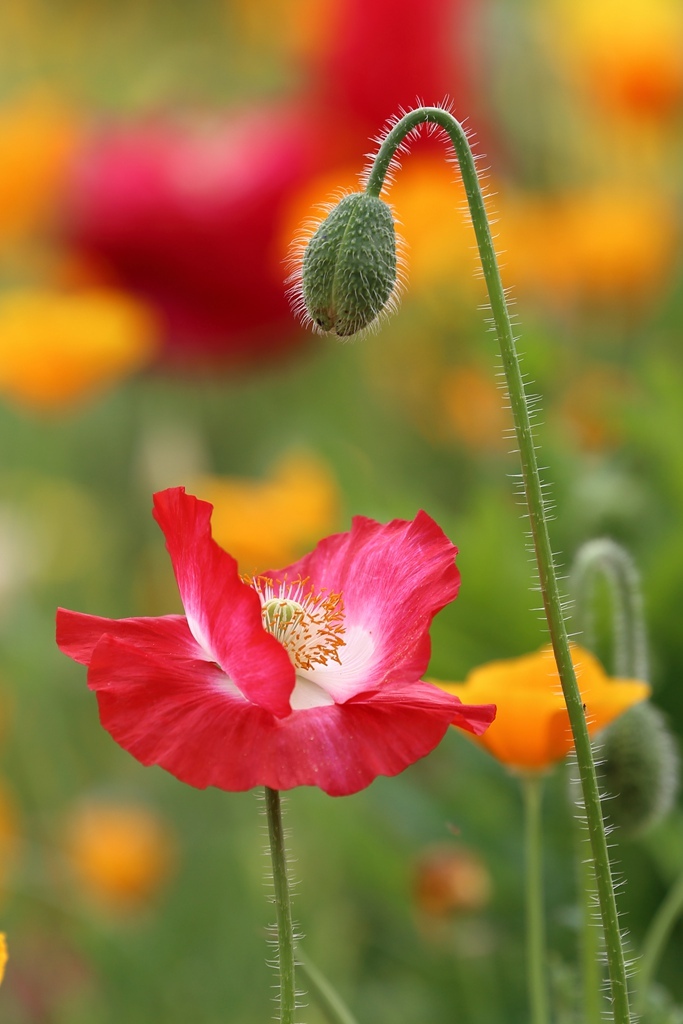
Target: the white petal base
pixel 307 694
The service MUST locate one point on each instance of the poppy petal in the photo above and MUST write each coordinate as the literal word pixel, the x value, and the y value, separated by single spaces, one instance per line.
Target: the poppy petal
pixel 206 734
pixel 223 612
pixel 78 634
pixel 532 730
pixel 393 579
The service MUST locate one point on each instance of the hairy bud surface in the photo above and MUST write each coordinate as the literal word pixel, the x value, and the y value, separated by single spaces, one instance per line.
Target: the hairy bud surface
pixel 639 768
pixel 349 273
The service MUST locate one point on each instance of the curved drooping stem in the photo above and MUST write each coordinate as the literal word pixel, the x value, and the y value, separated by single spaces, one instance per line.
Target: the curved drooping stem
pixel 605 559
pixel 533 493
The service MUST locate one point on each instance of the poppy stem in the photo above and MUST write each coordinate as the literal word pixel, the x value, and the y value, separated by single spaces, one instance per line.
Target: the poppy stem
pixel 283 907
pixel 591 951
pixel 535 502
pixel 532 786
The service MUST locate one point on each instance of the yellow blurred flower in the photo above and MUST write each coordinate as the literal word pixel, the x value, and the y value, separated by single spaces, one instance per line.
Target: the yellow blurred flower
pixel 58 347
pixel 269 523
pixel 627 56
pixel 531 731
pixel 120 853
pixel 4 956
pixel 38 137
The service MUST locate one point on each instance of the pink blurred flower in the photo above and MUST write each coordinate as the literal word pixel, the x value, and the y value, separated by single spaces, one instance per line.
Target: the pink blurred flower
pixel 185 214
pixel 308 675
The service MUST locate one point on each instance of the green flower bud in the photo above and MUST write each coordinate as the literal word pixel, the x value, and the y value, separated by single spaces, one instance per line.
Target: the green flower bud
pixel 639 769
pixel 349 274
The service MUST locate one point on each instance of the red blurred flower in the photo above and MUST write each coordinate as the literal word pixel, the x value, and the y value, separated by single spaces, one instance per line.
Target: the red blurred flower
pixel 450 880
pixel 384 54
pixel 186 215
pixel 309 675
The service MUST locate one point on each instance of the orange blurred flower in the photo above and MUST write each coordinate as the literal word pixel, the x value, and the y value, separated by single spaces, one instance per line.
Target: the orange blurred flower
pixel 270 522
pixel 474 409
pixel 590 406
pixel 431 207
pixel 38 137
pixel 450 880
pixel 604 245
pixel 3 955
pixel 57 347
pixel 610 245
pixel 531 731
pixel 9 836
pixel 120 853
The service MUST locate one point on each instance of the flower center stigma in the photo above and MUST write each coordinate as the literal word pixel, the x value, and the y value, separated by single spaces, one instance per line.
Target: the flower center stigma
pixel 308 623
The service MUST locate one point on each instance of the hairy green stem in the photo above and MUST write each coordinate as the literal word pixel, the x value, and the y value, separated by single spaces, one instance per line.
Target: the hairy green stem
pixel 535 904
pixel 533 492
pixel 283 907
pixel 591 952
pixel 596 560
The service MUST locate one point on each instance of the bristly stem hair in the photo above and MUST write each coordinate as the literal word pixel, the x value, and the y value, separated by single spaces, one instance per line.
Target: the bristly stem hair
pixel 388 150
pixel 283 907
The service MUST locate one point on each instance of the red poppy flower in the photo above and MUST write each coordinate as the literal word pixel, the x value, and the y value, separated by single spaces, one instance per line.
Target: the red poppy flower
pixel 309 675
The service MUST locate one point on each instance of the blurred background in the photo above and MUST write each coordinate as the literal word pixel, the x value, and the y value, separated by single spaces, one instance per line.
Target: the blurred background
pixel 156 159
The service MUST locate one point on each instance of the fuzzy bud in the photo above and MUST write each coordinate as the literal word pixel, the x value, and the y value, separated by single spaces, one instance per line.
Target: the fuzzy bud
pixel 349 273
pixel 639 769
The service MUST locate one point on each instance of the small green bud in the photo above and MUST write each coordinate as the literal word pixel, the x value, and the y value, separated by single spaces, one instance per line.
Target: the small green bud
pixel 349 272
pixel 639 769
